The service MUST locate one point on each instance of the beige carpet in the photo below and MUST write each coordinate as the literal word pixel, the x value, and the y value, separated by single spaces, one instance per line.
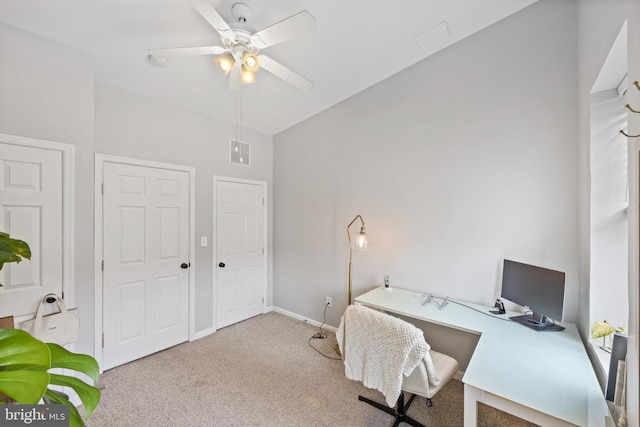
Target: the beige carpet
pixel 260 372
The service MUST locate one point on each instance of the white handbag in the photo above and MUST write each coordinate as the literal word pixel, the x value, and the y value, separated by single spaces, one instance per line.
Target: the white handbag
pixel 58 328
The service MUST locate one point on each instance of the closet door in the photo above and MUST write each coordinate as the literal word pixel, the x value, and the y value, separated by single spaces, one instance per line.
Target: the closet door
pixel 240 241
pixel 146 261
pixel 31 209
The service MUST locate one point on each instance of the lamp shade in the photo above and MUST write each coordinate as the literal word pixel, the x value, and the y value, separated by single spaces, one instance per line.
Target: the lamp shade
pixel 247 76
pixel 360 242
pixel 225 62
pixel 250 62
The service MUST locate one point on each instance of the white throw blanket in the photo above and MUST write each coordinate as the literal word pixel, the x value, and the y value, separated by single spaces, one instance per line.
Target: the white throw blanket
pixel 379 349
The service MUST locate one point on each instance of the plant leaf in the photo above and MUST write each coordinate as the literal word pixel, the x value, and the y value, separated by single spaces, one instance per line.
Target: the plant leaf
pixel 25 386
pixel 63 358
pixel 19 350
pixel 5 246
pixel 89 395
pixel 601 329
pixel 12 250
pixel 54 396
pixel 20 248
pixel 24 362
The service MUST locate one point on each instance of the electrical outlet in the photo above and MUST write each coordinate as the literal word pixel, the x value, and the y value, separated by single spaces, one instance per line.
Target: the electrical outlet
pixel 329 302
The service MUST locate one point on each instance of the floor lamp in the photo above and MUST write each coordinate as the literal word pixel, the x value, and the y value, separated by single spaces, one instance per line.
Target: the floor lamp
pixel 360 244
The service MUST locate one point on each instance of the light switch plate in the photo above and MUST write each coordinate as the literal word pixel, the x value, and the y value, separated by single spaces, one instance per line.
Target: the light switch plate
pixel 203 241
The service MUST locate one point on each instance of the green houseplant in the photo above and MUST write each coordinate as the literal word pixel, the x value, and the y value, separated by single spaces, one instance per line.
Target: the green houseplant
pixel 25 361
pixel 603 330
pixel 25 378
pixel 12 250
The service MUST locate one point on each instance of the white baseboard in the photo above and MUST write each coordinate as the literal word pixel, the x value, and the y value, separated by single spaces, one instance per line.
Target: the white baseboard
pixel 458 376
pixel 208 331
pixel 201 334
pixel 304 319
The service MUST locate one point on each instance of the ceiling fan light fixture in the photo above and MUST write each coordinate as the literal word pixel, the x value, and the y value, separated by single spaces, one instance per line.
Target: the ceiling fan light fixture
pixel 225 63
pixel 247 76
pixel 250 61
pixel 238 56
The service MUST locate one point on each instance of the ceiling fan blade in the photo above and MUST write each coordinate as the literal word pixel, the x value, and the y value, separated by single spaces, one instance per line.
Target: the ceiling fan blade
pixel 211 15
pixel 284 73
pixel 187 51
pixel 234 79
pixel 293 26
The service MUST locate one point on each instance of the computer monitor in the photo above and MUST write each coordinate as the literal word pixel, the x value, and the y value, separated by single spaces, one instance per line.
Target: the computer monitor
pixel 539 289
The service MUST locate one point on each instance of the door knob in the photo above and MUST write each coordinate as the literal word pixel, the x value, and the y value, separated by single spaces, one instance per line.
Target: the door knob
pixel 221 265
pixel 184 265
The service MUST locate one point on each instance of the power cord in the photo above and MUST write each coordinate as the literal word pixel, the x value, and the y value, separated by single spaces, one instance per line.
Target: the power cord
pixel 321 335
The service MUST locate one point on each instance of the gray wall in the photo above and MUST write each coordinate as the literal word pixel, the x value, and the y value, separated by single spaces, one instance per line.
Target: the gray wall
pixel 464 159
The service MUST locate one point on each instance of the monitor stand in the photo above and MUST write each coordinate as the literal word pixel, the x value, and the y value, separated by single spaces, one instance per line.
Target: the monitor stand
pixel 526 320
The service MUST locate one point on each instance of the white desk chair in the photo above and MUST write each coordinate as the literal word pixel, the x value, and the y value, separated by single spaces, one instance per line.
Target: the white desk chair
pixel 390 355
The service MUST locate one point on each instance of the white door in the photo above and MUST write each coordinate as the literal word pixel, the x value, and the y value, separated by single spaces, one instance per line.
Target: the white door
pixel 146 260
pixel 31 191
pixel 240 263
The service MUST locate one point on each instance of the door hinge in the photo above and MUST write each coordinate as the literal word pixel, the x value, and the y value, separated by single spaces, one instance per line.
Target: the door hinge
pixel 102 189
pixel 103 340
pixel 263 201
pixel 62 293
pixel 102 265
pixel 262 300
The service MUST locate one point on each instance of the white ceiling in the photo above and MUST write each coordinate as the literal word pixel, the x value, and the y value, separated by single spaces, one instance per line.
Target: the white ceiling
pixel 357 44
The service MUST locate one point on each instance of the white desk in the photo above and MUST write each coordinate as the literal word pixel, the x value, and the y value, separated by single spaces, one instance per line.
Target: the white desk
pixel 543 377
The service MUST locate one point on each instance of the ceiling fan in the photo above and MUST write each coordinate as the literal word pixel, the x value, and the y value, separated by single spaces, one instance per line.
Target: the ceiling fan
pixel 239 54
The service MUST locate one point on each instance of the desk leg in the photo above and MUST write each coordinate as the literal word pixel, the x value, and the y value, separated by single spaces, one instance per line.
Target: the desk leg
pixel 471 398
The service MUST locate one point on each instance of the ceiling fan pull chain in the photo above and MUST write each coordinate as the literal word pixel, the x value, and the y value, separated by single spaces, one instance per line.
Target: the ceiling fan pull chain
pixel 238 116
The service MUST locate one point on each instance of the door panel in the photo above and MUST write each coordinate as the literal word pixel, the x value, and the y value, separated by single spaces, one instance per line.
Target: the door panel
pixel 146 239
pixel 131 309
pixel 31 191
pixel 241 283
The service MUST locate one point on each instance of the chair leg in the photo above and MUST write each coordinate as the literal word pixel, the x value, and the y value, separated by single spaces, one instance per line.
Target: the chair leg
pixel 380 406
pixel 429 402
pixel 399 412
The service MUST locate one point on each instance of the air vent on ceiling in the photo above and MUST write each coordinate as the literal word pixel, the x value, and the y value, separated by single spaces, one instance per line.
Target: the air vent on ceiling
pixel 239 153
